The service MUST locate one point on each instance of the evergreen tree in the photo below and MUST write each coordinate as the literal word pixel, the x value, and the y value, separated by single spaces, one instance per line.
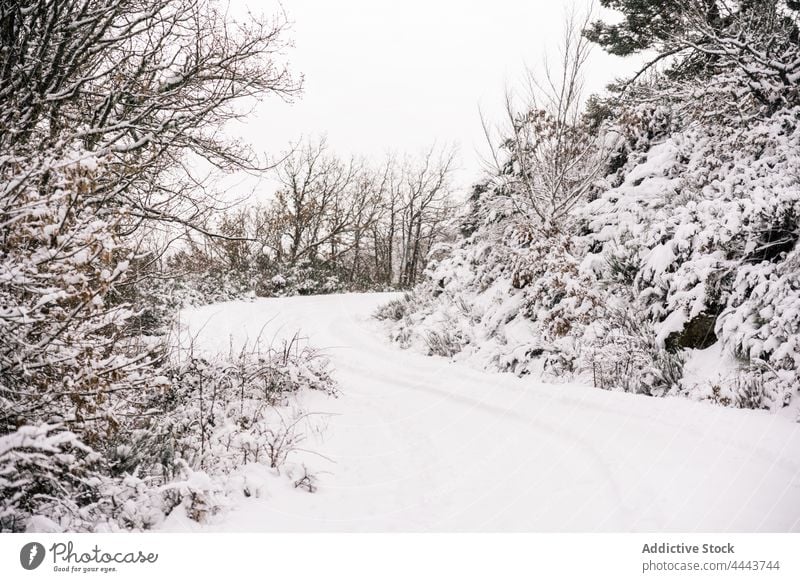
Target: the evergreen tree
pixel 701 38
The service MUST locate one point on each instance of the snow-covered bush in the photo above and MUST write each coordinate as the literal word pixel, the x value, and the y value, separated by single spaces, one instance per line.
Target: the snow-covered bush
pixel 46 471
pixel 510 294
pixel 195 442
pixel 395 309
pixel 217 415
pixel 304 278
pixel 701 227
pixel 442 343
pixel 621 352
pixel 690 231
pixel 66 347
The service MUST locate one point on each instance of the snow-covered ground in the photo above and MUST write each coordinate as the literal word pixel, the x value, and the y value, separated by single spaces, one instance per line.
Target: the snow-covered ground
pixel 419 443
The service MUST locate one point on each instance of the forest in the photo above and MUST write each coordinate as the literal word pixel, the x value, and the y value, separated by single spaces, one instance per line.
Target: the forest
pixel 642 240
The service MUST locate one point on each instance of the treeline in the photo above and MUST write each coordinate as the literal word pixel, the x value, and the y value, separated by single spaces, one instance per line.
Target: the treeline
pixel 333 224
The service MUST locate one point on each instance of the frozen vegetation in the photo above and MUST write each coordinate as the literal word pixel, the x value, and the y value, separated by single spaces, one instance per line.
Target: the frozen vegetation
pixel 620 248
pixel 670 270
pixel 417 443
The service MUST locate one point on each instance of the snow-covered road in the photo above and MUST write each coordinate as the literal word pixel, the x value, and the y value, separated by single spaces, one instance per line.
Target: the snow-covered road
pixel 421 443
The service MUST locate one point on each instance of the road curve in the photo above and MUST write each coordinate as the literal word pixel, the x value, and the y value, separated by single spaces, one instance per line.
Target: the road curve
pixel 426 444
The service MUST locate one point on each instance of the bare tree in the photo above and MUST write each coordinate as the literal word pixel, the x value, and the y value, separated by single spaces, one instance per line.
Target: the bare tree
pixel 368 194
pixel 548 159
pixel 425 199
pixel 328 210
pixel 315 200
pixel 106 109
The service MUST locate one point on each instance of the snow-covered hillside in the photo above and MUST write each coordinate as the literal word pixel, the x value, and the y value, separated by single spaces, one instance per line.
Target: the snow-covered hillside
pixel 418 443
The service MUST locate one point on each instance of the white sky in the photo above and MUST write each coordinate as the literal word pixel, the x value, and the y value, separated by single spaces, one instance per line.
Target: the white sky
pixel 386 76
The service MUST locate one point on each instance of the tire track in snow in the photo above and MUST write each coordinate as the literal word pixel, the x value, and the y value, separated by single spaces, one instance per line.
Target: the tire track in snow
pixel 425 443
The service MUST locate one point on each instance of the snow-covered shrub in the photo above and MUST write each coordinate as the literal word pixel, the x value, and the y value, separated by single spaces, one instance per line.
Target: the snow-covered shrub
pixel 66 345
pixel 762 323
pixel 190 446
pixel 622 353
pixel 304 278
pixel 702 229
pixel 690 230
pixel 510 295
pixel 442 343
pixel 198 494
pixel 217 414
pixel 46 471
pixel 395 309
pixel 557 293
pixel 197 276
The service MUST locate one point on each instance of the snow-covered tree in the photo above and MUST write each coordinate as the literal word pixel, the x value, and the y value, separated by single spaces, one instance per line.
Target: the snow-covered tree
pixel 105 108
pixel 684 239
pixel 549 160
pixel 333 224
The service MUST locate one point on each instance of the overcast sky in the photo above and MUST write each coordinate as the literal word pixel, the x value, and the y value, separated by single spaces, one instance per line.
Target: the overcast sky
pixel 386 76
